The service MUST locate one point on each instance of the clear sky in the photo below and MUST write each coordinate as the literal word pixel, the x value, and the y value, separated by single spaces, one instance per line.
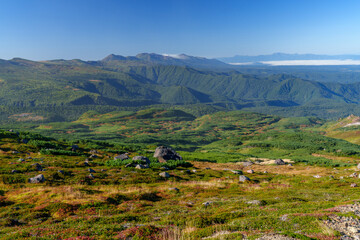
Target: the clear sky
pixel 92 29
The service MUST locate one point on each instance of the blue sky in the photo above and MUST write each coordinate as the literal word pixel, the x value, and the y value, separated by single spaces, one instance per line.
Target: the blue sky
pixel 92 29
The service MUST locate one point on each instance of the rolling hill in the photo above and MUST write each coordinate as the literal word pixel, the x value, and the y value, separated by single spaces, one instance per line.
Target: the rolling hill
pixel 150 79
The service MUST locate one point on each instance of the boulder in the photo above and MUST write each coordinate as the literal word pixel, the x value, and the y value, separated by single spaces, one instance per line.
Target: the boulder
pixel 279 162
pixel 21 160
pixel 91 170
pixel 37 179
pixel 243 178
pixel 250 171
pixel 353 185
pixel 166 153
pixel 358 166
pixel 141 158
pixel 91 176
pixel 121 157
pixel 164 174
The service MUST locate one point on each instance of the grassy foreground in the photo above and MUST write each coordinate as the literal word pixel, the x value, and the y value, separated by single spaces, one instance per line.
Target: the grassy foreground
pixel 195 202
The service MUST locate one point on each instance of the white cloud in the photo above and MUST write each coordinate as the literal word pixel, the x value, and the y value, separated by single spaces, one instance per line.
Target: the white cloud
pixel 307 62
pixel 178 56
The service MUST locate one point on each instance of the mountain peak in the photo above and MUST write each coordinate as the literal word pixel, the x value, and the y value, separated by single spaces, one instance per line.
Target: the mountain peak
pixel 113 57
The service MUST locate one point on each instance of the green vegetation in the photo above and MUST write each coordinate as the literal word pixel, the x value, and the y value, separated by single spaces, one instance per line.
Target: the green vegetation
pixel 119 202
pixel 62 90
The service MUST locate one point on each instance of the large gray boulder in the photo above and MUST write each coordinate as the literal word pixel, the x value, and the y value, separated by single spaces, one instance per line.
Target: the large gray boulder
pixel 166 153
pixel 37 179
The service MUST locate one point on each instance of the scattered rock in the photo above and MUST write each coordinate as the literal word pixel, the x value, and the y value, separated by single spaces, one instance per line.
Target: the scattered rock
pixel 237 171
pixel 247 164
pixel 265 171
pixel 141 158
pixel 37 179
pixel 140 166
pixel 166 153
pixel 279 162
pixel 353 185
pixel 275 237
pixel 174 189
pixel 317 176
pixel 86 164
pixel 121 157
pixel 354 175
pixel 93 151
pixel 250 171
pixel 129 165
pixel 243 178
pixel 164 174
pixel 290 165
pixel 194 170
pixel 37 166
pixel 206 204
pixel 91 176
pixel 358 166
pixel 93 156
pixel 91 170
pixel 255 202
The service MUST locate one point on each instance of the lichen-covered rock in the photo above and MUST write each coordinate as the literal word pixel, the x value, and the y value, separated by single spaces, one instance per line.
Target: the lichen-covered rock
pixel 37 179
pixel 166 153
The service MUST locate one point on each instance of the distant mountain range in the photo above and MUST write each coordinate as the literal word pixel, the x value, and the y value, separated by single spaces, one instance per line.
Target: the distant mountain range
pixel 147 79
pixel 284 57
